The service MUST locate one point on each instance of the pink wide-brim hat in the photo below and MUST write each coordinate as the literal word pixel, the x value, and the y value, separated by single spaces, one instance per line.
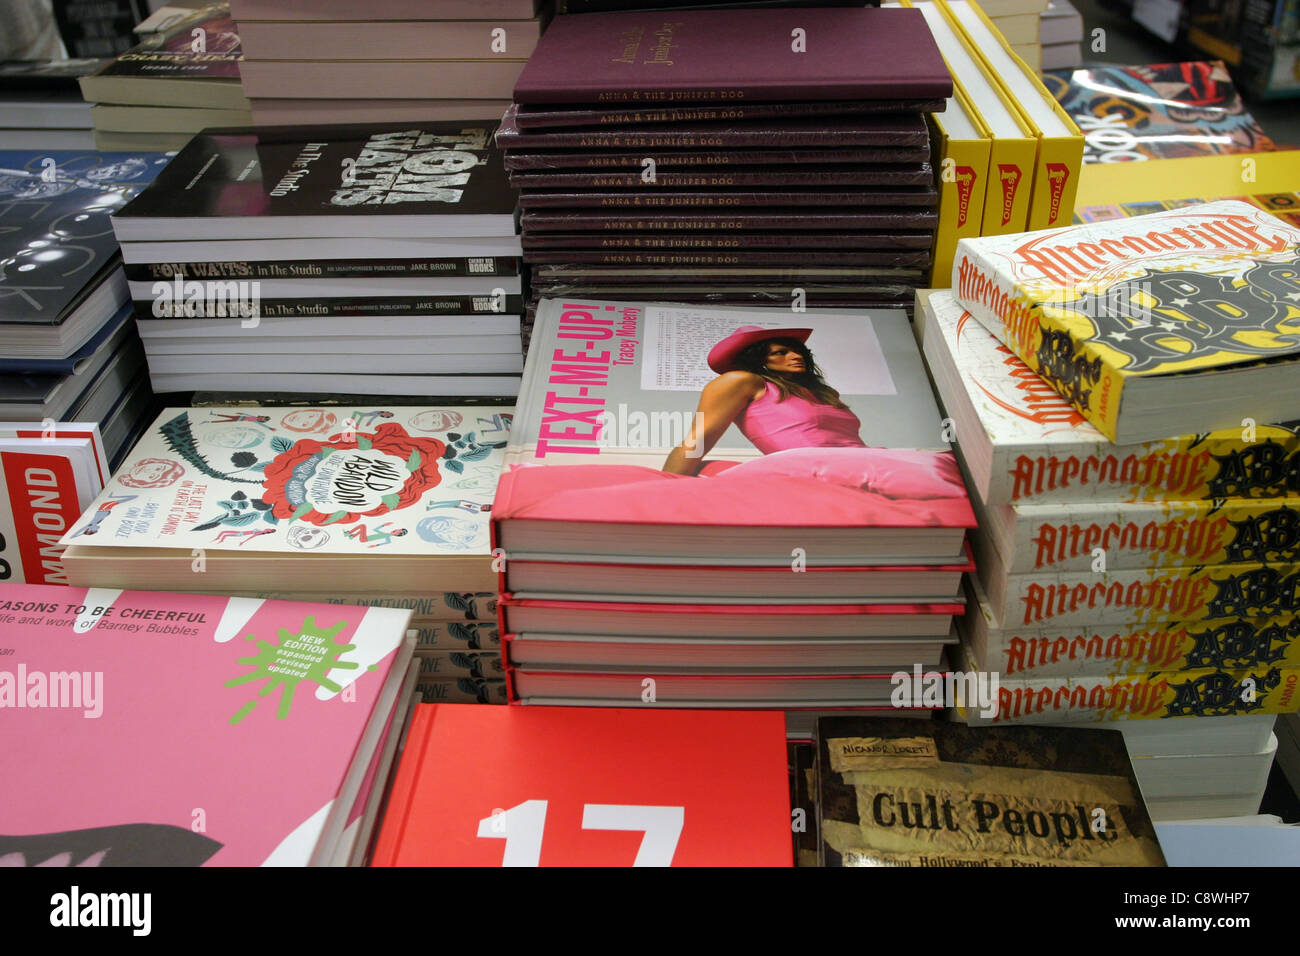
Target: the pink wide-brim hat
pixel 722 357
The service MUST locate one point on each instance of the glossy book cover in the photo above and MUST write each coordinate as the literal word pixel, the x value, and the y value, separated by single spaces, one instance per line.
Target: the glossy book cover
pixel 364 481
pixel 186 730
pixel 650 414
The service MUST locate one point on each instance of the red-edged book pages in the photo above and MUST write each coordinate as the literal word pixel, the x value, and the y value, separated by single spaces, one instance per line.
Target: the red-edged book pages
pixel 702 56
pixel 666 432
pixel 181 730
pixel 518 786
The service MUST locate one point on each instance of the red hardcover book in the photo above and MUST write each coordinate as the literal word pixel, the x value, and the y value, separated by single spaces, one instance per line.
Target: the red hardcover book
pixel 702 56
pixel 521 786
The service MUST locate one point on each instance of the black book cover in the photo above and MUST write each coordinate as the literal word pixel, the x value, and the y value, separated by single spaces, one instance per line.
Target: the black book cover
pixel 728 199
pixel 651 178
pixel 605 117
pixel 768 219
pixel 325 268
pixel 517 161
pixel 398 169
pixel 896 792
pixel 56 240
pixel 905 129
pixel 363 307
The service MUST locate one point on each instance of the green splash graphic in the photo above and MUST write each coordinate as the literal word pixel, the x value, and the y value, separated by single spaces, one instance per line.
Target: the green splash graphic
pixel 306 655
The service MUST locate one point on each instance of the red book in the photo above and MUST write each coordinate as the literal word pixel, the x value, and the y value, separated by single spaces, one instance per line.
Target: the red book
pixel 710 56
pixel 571 786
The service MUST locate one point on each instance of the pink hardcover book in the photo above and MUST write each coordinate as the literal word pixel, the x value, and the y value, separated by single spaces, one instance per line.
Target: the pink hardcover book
pixel 183 730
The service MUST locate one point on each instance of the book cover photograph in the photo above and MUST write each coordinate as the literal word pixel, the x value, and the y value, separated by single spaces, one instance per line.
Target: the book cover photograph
pixel 207 700
pixel 647 415
pixel 910 793
pixel 300 480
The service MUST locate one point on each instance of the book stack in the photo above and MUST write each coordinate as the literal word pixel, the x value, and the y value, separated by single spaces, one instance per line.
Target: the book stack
pixel 40 106
pixel 1020 23
pixel 345 61
pixel 770 157
pixel 1060 34
pixel 696 512
pixel 898 793
pixel 182 77
pixel 68 349
pixel 346 260
pixel 207 699
pixel 383 506
pixel 1149 578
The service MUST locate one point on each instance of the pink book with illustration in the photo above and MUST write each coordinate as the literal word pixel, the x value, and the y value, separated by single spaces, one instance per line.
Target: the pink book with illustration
pixel 186 730
pixel 739 436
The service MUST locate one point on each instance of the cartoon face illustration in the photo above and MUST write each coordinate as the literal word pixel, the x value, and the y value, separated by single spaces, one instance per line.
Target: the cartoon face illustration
pixel 309 420
pixel 237 436
pixel 152 473
pixel 307 537
pixel 436 420
pixel 476 483
pixel 449 531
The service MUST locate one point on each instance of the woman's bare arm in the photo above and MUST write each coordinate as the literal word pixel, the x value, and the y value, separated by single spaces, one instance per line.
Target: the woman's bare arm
pixel 720 402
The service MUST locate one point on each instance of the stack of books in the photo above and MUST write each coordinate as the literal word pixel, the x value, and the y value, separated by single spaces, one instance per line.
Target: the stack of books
pixel 68 349
pixel 182 77
pixel 345 61
pixel 697 512
pixel 207 699
pixel 1153 578
pixel 774 157
pixel 1060 34
pixel 384 506
pixel 40 106
pixel 1020 23
pixel 348 260
pixel 897 793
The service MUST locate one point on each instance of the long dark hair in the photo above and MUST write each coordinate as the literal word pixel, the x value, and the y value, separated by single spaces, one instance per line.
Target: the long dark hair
pixel 810 385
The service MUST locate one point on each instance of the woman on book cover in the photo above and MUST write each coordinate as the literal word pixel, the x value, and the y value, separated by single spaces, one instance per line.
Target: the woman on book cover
pixel 771 389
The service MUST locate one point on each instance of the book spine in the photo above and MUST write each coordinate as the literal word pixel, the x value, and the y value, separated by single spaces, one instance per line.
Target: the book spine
pixel 519 162
pixel 687 138
pixel 435 666
pixel 550 119
pixel 707 257
pixel 180 308
pixel 1092 387
pixel 692 199
pixel 813 218
pixel 431 637
pixel 324 268
pixel 1233 644
pixel 648 179
pixel 1152 535
pixel 1203 693
pixel 1137 598
pixel 668 241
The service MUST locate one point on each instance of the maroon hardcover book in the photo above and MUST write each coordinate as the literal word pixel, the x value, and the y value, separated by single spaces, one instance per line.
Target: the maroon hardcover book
pixel 914 174
pixel 714 257
pixel 664 241
pixel 902 271
pixel 678 159
pixel 727 199
pixel 720 56
pixel 674 220
pixel 902 129
pixel 545 117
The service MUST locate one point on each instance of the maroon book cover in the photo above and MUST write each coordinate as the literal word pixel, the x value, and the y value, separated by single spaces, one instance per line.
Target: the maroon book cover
pixel 623 220
pixel 914 174
pixel 901 271
pixel 664 241
pixel 720 56
pixel 545 117
pixel 677 159
pixel 728 199
pixel 903 129
pixel 715 257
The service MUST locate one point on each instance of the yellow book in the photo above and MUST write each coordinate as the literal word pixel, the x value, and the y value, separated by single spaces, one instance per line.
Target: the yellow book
pixel 961 144
pixel 1180 322
pixel 1059 155
pixel 1012 146
pixel 1269 180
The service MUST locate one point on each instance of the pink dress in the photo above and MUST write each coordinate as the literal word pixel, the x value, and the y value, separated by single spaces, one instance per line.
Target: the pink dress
pixel 773 425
